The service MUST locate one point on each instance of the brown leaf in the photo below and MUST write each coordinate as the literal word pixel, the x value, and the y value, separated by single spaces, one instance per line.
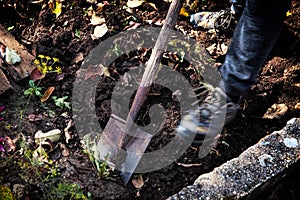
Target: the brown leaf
pixel 276 111
pixel 34 118
pixel 297 84
pixel 47 94
pixel 8 145
pixel 64 150
pixel 297 106
pixel 78 58
pixel 36 75
pixel 132 25
pixel 138 182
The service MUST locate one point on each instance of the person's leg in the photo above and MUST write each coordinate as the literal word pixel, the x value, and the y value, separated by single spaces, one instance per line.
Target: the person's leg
pixel 253 39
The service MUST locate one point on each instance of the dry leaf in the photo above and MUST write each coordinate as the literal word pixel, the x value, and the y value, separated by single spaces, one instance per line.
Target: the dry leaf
pixel 134 3
pixel 8 144
pixel 99 31
pixel 64 150
pixel 34 118
pixel 189 165
pixel 78 58
pixel 183 12
pixel 67 133
pixel 37 75
pixel 153 5
pixel 95 20
pixel 132 25
pixel 47 94
pixel 56 7
pixel 52 135
pixel 138 182
pixel 276 111
pixel 297 106
pixel 297 84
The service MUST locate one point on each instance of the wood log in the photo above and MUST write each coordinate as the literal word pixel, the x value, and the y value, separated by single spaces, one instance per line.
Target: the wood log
pixel 4 83
pixel 26 66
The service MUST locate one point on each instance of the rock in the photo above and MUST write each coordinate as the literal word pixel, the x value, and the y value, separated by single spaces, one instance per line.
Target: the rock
pixel 250 174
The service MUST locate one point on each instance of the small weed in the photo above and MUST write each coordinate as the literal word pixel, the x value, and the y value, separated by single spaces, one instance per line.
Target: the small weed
pixel 102 167
pixel 61 103
pixel 66 191
pixel 33 90
pixel 47 64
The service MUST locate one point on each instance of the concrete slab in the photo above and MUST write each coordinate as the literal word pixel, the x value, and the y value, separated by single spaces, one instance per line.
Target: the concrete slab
pixel 253 171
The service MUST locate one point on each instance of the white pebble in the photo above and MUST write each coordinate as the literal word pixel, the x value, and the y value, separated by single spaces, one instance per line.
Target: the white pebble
pixel 290 142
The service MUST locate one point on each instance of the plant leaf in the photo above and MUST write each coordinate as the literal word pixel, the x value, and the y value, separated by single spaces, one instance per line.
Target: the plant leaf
pixel 47 94
pixel 31 83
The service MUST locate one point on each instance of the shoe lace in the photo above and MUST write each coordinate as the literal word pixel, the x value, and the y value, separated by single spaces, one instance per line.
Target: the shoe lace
pixel 211 100
pixel 225 21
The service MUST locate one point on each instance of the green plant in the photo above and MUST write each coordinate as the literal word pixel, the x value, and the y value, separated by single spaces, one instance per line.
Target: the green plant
pixel 102 167
pixel 5 193
pixel 60 102
pixel 33 90
pixel 66 191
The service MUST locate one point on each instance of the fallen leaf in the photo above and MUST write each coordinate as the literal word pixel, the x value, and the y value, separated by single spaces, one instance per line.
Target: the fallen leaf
pixel 297 106
pixel 153 5
pixel 34 118
pixel 64 150
pixel 159 22
pixel 52 135
pixel 37 75
pixel 138 182
pixel 99 31
pixel 95 20
pixel 47 145
pixel 67 133
pixel 183 12
pixel 47 94
pixel 8 144
pixel 297 84
pixel 189 165
pixel 288 13
pixel 56 7
pixel 132 25
pixel 78 58
pixel 275 111
pixel 134 3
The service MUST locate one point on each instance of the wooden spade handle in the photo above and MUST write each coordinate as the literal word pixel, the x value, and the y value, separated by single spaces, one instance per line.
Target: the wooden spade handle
pixel 152 67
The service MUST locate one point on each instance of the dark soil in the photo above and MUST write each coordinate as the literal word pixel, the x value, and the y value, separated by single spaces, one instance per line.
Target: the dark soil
pixel 42 33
